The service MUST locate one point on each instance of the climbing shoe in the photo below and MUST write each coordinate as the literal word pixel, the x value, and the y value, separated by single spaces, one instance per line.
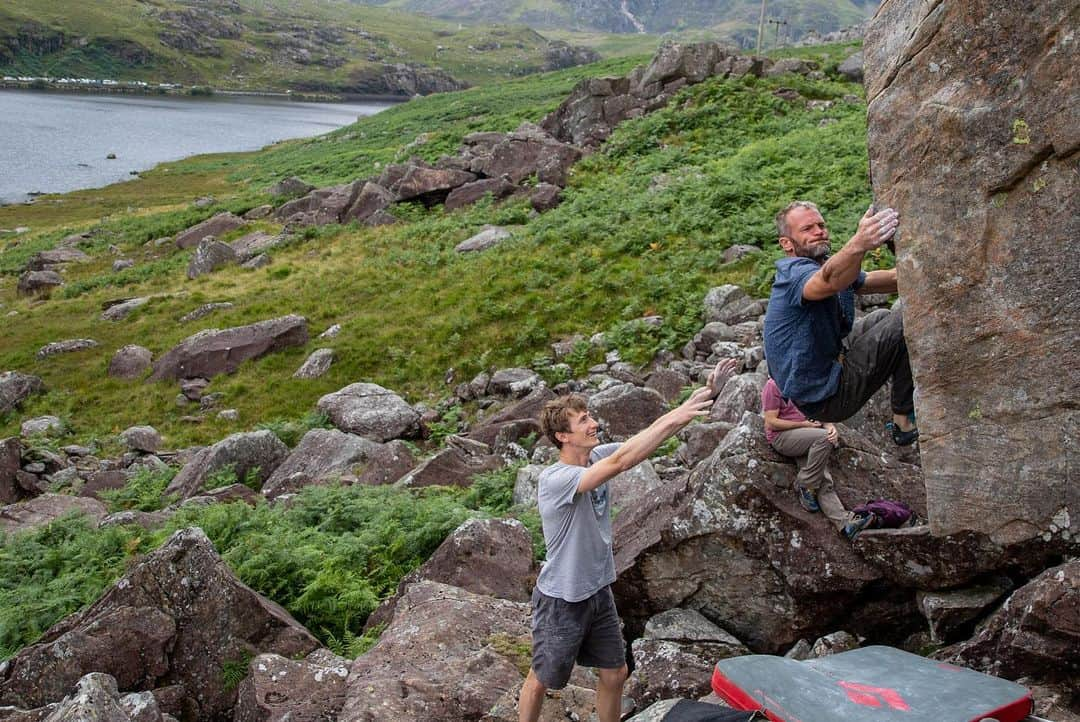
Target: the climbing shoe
pixel 807 499
pixel 902 438
pixel 857 524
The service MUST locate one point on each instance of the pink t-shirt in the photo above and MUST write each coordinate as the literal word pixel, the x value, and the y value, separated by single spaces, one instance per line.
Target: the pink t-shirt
pixel 772 400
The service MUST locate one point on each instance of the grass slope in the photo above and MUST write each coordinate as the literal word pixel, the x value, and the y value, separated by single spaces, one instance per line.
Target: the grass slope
pixel 346 43
pixel 642 231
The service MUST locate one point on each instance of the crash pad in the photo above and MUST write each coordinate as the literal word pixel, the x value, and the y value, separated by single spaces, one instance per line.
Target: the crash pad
pixel 877 683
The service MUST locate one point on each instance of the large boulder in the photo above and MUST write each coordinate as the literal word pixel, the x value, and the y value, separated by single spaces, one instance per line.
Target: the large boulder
pixel 1035 633
pixel 371 411
pixel 482 556
pixel 448 655
pixel 625 409
pixel 531 151
pixel 39 283
pixel 732 541
pixel 177 617
pixel 306 690
pixel 455 465
pixel 428 185
pixel 47 508
pixel 16 387
pixel 676 656
pixel 257 453
pixel 321 455
pixel 216 226
pixel 130 362
pixel 210 255
pixel 472 192
pixel 215 351
pixel 371 199
pixel 980 98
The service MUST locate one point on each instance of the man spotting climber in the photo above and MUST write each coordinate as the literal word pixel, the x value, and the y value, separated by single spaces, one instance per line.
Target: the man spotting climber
pixel 823 362
pixel 573 611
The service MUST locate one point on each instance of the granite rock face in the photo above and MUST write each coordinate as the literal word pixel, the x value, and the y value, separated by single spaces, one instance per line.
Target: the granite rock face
pixel 981 98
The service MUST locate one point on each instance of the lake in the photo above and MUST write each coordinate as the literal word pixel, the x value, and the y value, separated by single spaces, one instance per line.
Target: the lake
pixel 59 142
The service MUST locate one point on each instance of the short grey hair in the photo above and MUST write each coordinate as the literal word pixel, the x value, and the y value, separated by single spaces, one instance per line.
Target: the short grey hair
pixel 782 228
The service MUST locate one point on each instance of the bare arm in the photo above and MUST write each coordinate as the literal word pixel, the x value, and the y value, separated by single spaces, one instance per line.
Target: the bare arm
pixel 642 444
pixel 773 422
pixel 879 282
pixel 841 270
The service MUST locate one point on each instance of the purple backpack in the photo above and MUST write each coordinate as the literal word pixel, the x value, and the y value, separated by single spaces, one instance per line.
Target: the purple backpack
pixel 890 514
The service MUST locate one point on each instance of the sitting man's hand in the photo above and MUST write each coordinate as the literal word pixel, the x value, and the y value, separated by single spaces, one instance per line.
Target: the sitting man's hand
pixel 832 433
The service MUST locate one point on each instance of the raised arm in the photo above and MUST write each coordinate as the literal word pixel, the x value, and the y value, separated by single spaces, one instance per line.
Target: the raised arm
pixel 841 270
pixel 642 444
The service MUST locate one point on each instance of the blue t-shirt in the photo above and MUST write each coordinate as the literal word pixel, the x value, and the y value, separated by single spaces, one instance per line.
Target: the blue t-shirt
pixel 803 339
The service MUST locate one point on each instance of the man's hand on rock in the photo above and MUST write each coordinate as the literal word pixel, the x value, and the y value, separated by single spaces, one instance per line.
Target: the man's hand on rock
pixel 875 228
pixel 832 433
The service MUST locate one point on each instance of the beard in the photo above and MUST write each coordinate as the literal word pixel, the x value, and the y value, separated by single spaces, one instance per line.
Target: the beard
pixel 815 251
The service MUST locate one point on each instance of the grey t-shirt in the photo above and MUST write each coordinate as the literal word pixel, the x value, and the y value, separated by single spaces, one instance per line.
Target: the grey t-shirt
pixel 577 531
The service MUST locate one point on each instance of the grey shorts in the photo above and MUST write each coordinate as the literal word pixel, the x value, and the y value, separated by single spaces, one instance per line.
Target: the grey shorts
pixel 587 632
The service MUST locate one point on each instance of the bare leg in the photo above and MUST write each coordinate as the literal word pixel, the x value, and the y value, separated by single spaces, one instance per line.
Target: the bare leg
pixel 531 699
pixel 609 693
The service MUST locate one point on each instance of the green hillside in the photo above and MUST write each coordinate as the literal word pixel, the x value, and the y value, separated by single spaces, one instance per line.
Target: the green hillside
pixel 642 231
pixel 313 45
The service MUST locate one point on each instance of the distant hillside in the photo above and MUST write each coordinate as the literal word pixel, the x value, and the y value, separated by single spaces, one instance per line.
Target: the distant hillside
pixel 309 45
pixel 735 19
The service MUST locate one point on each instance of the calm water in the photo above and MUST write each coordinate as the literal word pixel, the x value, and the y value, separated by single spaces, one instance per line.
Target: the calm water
pixel 56 142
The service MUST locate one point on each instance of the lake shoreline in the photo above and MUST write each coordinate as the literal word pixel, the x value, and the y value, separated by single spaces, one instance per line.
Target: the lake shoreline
pixel 201 92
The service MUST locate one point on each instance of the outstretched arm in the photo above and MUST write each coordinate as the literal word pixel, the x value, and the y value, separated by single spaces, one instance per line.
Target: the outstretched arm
pixel 841 270
pixel 879 282
pixel 642 444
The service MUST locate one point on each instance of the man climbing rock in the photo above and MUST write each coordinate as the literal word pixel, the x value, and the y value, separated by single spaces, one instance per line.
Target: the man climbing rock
pixel 825 366
pixel 573 611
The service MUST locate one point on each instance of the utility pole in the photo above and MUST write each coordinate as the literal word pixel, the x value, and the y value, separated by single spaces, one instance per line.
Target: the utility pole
pixel 761 27
pixel 777 22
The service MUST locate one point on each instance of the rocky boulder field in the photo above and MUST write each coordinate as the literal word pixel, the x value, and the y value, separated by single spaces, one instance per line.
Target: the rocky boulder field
pixel 715 556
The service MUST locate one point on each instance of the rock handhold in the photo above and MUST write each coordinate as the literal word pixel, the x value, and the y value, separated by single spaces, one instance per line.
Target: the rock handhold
pixel 130 362
pixel 177 617
pixel 68 346
pixel 210 255
pixel 215 351
pixel 371 411
pixel 215 226
pixel 487 238
pixel 255 453
pixel 15 388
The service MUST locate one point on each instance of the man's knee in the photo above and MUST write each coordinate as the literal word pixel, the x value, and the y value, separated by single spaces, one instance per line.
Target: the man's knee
pixel 613 677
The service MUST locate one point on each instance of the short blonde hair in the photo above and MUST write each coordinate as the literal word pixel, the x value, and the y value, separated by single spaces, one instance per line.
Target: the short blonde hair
pixel 782 228
pixel 555 417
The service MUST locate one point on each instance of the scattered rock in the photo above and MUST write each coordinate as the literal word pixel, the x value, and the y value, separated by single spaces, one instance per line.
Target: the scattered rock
pixel 490 236
pixel 216 226
pixel 120 311
pixel 291 186
pixel 321 455
pixel 729 304
pixel 317 364
pixel 42 426
pixel 257 454
pixel 204 310
pixel 43 510
pixel 68 346
pixel 15 388
pixel 624 409
pixel 141 438
pixel 214 351
pixel 130 362
pixel 371 411
pixel 210 255
pixel 39 283
pixel 946 611
pixel 122 264
pixel 852 67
